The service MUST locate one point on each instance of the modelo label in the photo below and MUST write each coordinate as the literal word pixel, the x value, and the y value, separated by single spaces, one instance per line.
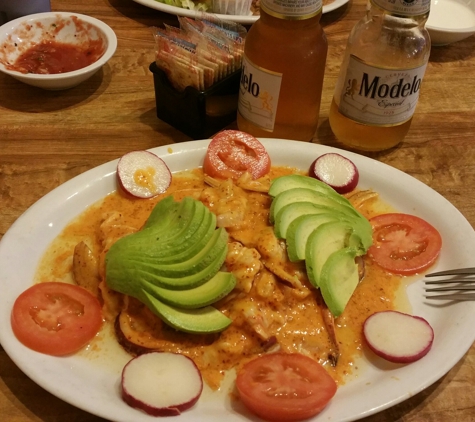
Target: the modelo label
pixel 292 9
pixel 259 95
pixel 376 96
pixel 404 7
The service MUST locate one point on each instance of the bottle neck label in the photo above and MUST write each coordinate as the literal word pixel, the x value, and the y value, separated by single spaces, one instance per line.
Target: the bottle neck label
pixel 404 7
pixel 292 9
pixel 259 94
pixel 378 96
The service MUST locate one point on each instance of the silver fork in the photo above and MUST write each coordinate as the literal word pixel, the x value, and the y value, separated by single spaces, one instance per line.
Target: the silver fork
pixel 459 286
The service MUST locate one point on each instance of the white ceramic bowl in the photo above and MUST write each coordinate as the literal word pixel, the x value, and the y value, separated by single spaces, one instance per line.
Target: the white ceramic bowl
pixel 20 34
pixel 451 21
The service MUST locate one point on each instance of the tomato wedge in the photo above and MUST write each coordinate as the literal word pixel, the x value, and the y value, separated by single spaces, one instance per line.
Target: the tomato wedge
pixel 285 387
pixel 232 153
pixel 404 244
pixel 56 318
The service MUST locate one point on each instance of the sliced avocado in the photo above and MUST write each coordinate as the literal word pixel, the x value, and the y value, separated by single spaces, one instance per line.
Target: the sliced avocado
pixel 189 281
pixel 167 213
pixel 215 247
pixel 186 224
pixel 206 294
pixel 173 250
pixel 290 196
pixel 339 279
pixel 202 320
pixel 323 242
pixel 148 245
pixel 177 250
pixel 290 212
pixel 300 229
pixel 175 217
pixel 291 181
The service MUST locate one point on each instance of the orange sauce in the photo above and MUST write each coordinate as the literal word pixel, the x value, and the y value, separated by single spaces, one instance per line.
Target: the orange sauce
pixel 144 178
pixel 272 313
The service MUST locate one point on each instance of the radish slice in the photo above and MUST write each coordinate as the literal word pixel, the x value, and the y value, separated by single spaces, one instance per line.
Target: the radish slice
pixel 398 337
pixel 143 174
pixel 161 383
pixel 335 170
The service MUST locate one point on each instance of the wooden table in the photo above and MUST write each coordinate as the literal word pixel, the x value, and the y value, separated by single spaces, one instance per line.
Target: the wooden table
pixel 47 138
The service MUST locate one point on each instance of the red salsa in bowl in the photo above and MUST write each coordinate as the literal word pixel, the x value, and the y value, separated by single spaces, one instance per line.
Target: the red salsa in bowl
pixel 52 57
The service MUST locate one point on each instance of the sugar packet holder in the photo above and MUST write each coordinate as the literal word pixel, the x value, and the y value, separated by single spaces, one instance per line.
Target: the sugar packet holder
pixel 198 114
pixel 196 74
pixel 200 52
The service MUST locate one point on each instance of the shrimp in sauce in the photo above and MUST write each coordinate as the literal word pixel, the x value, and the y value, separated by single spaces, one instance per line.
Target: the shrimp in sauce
pixel 273 306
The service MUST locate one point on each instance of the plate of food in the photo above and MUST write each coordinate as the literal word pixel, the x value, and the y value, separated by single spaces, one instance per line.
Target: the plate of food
pixel 196 9
pixel 41 246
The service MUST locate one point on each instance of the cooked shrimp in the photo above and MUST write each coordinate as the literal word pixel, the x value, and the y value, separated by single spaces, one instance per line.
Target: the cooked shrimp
pixel 274 256
pixel 259 185
pixel 329 321
pixel 86 268
pixel 228 202
pixel 358 199
pixel 244 263
pixel 245 182
pixel 259 317
pixel 112 229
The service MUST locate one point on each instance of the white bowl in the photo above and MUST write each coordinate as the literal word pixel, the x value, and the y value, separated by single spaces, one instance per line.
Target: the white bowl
pixel 20 34
pixel 451 20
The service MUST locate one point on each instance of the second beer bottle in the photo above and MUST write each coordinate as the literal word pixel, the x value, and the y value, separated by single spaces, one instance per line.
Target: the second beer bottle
pixel 282 73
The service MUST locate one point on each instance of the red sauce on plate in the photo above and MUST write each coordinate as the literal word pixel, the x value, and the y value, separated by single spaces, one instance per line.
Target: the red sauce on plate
pixel 51 57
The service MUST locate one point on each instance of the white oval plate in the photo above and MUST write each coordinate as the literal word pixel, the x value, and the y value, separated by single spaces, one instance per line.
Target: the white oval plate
pixel 94 385
pixel 245 20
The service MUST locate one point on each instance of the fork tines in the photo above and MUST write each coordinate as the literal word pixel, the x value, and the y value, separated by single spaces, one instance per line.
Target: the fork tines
pixel 459 288
pixel 459 271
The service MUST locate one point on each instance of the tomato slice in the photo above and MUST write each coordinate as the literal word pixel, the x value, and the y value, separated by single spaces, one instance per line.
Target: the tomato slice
pixel 56 318
pixel 404 244
pixel 232 152
pixel 285 387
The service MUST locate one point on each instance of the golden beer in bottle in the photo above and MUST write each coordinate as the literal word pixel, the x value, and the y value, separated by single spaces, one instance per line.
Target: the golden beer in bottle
pixel 380 78
pixel 283 68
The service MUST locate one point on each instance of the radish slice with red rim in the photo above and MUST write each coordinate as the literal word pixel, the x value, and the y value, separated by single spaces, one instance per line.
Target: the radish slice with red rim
pixel 143 174
pixel 161 383
pixel 335 170
pixel 398 337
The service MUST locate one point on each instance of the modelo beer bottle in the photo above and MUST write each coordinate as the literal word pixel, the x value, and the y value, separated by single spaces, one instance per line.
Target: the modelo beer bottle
pixel 282 74
pixel 381 75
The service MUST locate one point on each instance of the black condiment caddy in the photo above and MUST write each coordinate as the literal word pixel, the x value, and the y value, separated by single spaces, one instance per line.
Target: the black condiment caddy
pixel 198 114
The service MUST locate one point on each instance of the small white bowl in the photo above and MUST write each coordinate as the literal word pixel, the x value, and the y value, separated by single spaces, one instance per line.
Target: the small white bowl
pixel 451 21
pixel 20 34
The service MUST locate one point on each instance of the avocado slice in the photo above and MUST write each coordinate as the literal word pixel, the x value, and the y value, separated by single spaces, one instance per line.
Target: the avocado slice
pixel 323 228
pixel 173 266
pixel 126 276
pixel 171 250
pixel 339 279
pixel 206 294
pixel 181 249
pixel 215 247
pixel 299 231
pixel 288 214
pixel 290 196
pixel 178 219
pixel 203 320
pixel 169 213
pixel 291 181
pixel 322 242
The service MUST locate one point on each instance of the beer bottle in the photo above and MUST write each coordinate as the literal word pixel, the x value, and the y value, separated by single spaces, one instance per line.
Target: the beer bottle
pixel 381 74
pixel 282 74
